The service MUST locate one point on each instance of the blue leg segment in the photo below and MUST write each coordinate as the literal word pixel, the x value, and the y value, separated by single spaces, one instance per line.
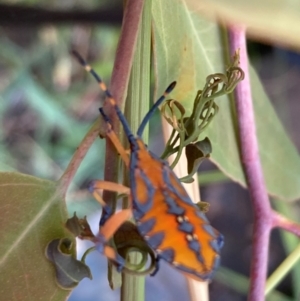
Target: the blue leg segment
pixel 120 263
pixel 105 117
pixel 106 214
pixel 156 266
pixel 106 210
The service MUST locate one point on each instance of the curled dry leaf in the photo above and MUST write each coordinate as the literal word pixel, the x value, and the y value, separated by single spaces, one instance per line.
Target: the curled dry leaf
pixel 69 271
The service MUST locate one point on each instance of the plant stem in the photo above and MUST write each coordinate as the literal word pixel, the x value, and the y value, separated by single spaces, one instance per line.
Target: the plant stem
pixel 282 270
pixel 253 171
pixel 284 223
pixel 120 77
pixel 67 177
pixel 137 105
pixel 290 242
pixel 119 83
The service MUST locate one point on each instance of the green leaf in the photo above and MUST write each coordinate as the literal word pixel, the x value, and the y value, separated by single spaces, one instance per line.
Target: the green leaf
pixel 194 52
pixel 31 215
pixel 279 156
pixel 69 271
pixel 275 20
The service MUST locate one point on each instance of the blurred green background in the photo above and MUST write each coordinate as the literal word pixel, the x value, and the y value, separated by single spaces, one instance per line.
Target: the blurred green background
pixel 48 103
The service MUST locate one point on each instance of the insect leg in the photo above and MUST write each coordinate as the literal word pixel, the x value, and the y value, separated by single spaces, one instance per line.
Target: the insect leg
pixel 114 139
pixel 95 188
pixel 156 266
pixel 112 224
pixel 112 254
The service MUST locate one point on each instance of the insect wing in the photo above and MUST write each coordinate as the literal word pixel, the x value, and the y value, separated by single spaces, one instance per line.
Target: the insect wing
pixel 167 218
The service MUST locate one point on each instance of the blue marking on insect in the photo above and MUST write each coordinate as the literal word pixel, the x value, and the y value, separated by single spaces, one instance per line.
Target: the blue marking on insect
pixel 142 207
pixel 106 214
pixel 150 191
pixel 137 214
pixel 146 226
pixel 194 245
pixel 202 216
pixel 156 239
pixel 167 254
pixel 209 229
pixel 200 257
pixel 120 262
pixel 215 244
pixel 176 194
pixel 203 276
pixel 216 262
pixel 173 207
pixel 100 242
pixel 167 172
pixel 186 227
pixel 106 210
pixel 220 241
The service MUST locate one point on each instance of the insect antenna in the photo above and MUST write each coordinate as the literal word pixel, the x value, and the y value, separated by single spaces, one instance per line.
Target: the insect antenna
pixel 122 118
pixel 112 101
pixel 153 108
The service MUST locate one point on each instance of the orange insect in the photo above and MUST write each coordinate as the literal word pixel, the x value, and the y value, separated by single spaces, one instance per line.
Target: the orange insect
pixel 171 224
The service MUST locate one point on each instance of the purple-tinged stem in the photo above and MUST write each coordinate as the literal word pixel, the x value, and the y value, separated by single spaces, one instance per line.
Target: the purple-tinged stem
pixel 120 78
pixel 119 83
pixel 284 223
pixel 253 170
pixel 77 158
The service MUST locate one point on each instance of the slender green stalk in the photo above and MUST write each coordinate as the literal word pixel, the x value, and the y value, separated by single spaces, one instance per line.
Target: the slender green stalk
pixel 137 105
pixel 240 283
pixel 180 149
pixel 282 270
pixel 210 177
pixel 290 242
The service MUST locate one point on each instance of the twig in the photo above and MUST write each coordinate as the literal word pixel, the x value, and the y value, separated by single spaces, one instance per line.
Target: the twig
pixel 284 223
pixel 67 177
pixel 253 171
pixel 119 82
pixel 120 78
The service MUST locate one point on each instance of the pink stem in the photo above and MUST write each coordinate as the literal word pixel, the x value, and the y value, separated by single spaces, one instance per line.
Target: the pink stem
pixel 253 171
pixel 119 81
pixel 284 223
pixel 77 158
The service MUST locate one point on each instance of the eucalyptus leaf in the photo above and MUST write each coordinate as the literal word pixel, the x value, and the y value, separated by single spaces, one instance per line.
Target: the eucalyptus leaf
pixel 271 20
pixel 195 51
pixel 31 215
